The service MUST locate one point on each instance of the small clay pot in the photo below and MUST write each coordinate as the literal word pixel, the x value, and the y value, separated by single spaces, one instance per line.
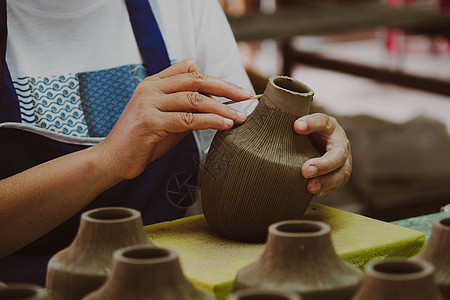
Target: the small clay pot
pixel 84 266
pixel 261 294
pixel 299 257
pixel 396 279
pixel 22 292
pixel 146 272
pixel 252 175
pixel 437 252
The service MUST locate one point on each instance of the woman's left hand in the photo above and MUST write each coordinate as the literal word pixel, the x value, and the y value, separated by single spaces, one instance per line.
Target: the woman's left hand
pixel 333 169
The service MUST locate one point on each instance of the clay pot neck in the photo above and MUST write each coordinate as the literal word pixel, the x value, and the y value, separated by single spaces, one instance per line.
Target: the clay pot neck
pixel 400 270
pixel 104 224
pixel 298 239
pixel 22 291
pixel 288 95
pixel 148 267
pixel 263 294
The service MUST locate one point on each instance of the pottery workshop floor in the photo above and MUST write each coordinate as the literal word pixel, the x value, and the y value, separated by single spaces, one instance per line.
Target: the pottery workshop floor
pixel 396 115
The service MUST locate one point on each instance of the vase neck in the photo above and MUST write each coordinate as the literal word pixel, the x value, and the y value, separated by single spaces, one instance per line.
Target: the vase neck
pixel 110 234
pixel 304 248
pixel 288 95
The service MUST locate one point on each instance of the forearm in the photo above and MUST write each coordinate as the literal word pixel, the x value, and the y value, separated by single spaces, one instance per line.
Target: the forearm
pixel 35 201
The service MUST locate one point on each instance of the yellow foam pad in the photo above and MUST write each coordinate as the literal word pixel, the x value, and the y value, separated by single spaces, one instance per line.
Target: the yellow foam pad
pixel 211 262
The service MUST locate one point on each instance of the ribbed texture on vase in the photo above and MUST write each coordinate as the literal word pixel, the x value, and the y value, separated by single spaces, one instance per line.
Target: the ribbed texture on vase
pixel 86 263
pixel 299 257
pixel 395 279
pixel 252 175
pixel 146 272
pixel 437 252
pixel 22 292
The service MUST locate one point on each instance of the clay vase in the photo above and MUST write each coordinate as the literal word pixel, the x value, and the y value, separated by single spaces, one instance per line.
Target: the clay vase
pixel 252 174
pixel 261 294
pixel 22 292
pixel 437 252
pixel 84 265
pixel 146 272
pixel 397 279
pixel 299 257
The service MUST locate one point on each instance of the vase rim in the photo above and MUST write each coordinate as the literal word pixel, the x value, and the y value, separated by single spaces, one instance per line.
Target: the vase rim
pixel 110 215
pixel 396 269
pixel 142 254
pixel 249 293
pixel 443 223
pixel 299 228
pixel 24 290
pixel 304 90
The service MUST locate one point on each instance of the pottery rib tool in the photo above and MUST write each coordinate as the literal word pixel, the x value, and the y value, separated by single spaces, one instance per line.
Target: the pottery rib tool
pixel 251 98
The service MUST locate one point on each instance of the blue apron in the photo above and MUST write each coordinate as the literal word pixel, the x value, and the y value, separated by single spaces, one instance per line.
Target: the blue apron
pixel 156 193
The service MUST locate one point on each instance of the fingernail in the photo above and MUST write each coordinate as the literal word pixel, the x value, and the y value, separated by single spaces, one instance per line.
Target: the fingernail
pixel 301 125
pixel 228 122
pixel 315 187
pixel 241 116
pixel 311 171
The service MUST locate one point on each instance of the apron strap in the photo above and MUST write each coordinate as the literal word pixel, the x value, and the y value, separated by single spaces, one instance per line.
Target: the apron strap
pixel 148 35
pixel 9 106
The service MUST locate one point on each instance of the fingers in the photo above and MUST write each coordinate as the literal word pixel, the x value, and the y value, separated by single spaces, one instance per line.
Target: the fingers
pixel 196 102
pixel 333 169
pixel 316 123
pixel 199 82
pixel 321 185
pixel 181 122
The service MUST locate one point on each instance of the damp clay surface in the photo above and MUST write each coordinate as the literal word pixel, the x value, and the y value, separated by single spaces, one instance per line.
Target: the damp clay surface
pixel 252 175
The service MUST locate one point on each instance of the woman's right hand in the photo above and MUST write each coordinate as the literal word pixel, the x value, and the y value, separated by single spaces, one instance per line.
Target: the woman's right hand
pixel 163 109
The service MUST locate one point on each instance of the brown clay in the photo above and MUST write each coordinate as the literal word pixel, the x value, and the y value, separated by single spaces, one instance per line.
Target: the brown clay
pixel 22 292
pixel 437 252
pixel 396 279
pixel 299 257
pixel 84 266
pixel 252 175
pixel 146 272
pixel 261 294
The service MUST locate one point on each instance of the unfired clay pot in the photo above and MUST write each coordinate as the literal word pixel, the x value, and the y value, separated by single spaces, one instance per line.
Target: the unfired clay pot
pixel 261 294
pixel 437 252
pixel 22 292
pixel 396 279
pixel 84 266
pixel 299 257
pixel 252 174
pixel 146 272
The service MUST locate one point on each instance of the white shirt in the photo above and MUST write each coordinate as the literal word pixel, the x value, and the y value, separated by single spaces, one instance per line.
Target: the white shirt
pixel 48 39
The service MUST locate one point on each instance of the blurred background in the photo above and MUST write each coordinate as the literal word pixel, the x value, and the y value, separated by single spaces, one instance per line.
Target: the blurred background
pixel 382 68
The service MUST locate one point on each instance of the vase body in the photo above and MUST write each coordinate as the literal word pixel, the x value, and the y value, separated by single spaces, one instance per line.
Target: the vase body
pixel 262 294
pixel 437 252
pixel 86 263
pixel 299 257
pixel 395 279
pixel 22 292
pixel 252 174
pixel 146 272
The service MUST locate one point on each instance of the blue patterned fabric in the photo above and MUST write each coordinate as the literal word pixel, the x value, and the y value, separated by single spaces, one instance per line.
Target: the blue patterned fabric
pixel 104 95
pixel 85 104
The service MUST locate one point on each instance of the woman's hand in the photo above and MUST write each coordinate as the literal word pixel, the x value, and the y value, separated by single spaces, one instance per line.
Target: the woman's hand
pixel 333 169
pixel 163 109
